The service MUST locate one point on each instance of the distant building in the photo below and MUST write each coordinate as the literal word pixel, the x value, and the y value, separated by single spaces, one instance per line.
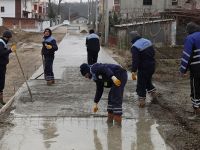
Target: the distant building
pixel 22 13
pixel 134 8
pixel 79 20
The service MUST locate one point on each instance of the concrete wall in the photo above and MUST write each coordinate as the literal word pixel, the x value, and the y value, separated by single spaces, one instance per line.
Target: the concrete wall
pixel 9 6
pixel 137 8
pixel 22 23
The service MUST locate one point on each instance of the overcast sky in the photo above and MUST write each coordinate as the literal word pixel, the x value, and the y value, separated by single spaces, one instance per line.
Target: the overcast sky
pixel 74 0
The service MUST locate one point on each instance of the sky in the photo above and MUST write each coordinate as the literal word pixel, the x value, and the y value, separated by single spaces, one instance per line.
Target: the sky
pixel 74 0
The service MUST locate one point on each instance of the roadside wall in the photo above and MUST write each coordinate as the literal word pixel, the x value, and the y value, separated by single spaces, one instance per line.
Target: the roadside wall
pixel 159 32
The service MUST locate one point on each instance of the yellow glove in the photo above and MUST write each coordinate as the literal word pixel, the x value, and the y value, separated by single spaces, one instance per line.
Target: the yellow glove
pixel 48 46
pixel 95 108
pixel 134 76
pixel 13 48
pixel 116 81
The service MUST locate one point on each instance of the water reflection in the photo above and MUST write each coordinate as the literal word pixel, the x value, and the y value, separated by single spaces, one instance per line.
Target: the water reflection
pixel 49 132
pixel 114 138
pixel 97 142
pixel 143 125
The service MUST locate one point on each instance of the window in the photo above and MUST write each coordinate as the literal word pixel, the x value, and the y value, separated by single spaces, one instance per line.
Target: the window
pixel 147 2
pixel 174 2
pixel 2 9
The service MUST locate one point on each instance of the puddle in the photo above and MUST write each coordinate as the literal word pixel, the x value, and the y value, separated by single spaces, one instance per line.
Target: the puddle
pixel 82 134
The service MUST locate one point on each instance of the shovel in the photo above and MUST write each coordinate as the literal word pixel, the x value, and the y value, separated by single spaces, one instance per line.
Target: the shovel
pixel 29 90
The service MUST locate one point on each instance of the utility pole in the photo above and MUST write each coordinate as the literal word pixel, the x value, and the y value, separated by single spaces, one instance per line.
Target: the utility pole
pixel 69 13
pixel 106 21
pixel 89 11
pixel 96 16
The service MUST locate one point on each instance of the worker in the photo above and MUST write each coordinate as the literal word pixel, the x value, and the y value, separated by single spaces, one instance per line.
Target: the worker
pixel 4 59
pixel 93 47
pixel 191 61
pixel 109 76
pixel 143 67
pixel 48 50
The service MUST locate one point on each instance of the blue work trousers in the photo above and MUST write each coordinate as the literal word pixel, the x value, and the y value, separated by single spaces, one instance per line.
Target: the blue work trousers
pixel 48 67
pixel 2 77
pixel 115 96
pixel 144 82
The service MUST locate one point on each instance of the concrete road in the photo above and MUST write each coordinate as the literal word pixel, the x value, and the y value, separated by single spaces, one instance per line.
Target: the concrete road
pixel 60 116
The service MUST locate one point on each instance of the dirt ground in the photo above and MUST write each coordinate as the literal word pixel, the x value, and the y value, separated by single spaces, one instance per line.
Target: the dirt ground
pixel 29 53
pixel 174 98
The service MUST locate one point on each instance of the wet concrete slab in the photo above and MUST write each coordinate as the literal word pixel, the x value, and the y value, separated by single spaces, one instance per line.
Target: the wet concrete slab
pixel 82 134
pixel 61 117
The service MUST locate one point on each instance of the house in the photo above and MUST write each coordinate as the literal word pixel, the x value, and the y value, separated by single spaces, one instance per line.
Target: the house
pixel 22 13
pixel 135 8
pixel 79 20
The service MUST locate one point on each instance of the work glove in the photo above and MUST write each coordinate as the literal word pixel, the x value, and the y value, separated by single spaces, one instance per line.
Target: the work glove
pixel 183 75
pixel 134 76
pixel 95 108
pixel 13 48
pixel 48 46
pixel 116 81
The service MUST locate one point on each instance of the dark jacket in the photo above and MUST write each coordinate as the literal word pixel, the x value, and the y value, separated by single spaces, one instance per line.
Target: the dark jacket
pixel 191 54
pixel 50 41
pixel 142 54
pixel 92 43
pixel 101 74
pixel 4 52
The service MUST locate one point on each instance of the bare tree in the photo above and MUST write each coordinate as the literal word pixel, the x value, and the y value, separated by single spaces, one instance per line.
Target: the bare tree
pixel 51 13
pixel 59 2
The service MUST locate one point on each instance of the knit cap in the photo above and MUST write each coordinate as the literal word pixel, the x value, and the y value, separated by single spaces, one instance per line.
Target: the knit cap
pixel 84 69
pixel 192 27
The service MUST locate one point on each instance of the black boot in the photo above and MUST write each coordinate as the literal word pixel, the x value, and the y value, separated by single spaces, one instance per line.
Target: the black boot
pixel 1 99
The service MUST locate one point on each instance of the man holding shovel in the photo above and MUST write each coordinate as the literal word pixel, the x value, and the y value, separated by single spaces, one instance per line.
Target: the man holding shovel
pixel 4 59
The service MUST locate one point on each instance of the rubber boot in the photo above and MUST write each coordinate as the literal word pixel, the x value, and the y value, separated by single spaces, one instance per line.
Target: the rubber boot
pixel 154 99
pixel 49 82
pixel 53 81
pixel 117 120
pixel 197 111
pixel 110 118
pixel 1 99
pixel 141 102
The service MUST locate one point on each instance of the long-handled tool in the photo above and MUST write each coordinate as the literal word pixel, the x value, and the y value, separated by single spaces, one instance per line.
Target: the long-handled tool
pixel 29 90
pixel 43 63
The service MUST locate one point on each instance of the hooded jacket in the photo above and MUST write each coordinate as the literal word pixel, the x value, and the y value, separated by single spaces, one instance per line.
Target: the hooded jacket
pixel 101 74
pixel 191 54
pixel 92 42
pixel 4 52
pixel 50 41
pixel 142 54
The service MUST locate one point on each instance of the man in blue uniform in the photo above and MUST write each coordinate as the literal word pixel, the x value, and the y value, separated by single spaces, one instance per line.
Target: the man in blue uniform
pixel 191 61
pixel 4 59
pixel 110 76
pixel 93 47
pixel 48 50
pixel 143 63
